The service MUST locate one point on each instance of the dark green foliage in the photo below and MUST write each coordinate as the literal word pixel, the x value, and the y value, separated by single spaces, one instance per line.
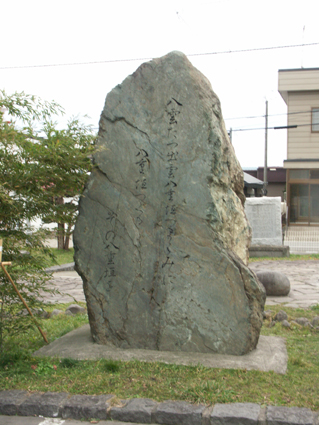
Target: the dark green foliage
pixel 39 166
pixel 69 363
pixel 109 365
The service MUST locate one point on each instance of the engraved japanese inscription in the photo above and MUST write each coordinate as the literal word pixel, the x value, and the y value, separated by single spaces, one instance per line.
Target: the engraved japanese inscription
pixel 161 241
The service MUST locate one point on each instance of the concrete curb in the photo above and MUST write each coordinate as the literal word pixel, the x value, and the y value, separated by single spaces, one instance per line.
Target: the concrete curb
pixel 107 407
pixel 64 268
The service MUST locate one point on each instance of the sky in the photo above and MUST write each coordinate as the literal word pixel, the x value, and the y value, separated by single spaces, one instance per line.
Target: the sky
pixel 95 45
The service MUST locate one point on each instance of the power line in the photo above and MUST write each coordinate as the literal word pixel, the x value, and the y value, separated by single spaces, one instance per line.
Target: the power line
pixel 272 128
pixel 144 59
pixel 270 115
pixel 254 49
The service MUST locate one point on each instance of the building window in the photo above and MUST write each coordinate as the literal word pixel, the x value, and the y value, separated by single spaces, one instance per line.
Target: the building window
pixel 298 174
pixel 303 196
pixel 315 119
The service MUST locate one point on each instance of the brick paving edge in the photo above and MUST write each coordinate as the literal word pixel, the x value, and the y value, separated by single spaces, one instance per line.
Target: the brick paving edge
pixel 108 407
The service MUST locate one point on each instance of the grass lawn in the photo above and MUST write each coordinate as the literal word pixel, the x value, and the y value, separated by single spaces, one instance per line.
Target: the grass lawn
pixel 61 257
pixel 159 381
pixel 19 369
pixel 292 257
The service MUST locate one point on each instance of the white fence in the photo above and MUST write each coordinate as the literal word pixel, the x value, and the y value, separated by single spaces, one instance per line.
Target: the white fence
pixel 302 240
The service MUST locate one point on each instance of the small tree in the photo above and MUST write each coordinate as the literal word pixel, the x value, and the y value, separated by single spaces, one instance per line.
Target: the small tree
pixel 39 167
pixel 62 159
pixel 19 204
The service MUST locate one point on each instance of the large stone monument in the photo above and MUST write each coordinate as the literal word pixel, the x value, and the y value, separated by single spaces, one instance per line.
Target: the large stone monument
pixel 264 217
pixel 162 239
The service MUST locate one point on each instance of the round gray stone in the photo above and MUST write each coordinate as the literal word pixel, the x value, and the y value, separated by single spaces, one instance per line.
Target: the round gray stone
pixel 315 321
pixel 303 321
pixel 75 309
pixel 280 316
pixel 275 283
pixel 285 324
pixel 56 312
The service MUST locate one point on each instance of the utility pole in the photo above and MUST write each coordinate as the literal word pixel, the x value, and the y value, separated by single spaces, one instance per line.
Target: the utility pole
pixel 231 135
pixel 266 151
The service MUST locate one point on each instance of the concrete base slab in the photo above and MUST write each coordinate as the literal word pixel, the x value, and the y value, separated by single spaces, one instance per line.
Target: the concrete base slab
pixel 270 354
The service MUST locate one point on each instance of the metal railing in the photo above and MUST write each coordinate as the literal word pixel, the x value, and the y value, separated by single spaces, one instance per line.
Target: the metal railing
pixel 302 240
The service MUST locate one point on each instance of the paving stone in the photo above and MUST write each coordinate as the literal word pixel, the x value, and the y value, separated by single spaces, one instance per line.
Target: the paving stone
pixel 86 407
pixel 303 276
pixel 138 410
pixel 51 404
pixel 45 404
pixel 262 419
pixel 279 415
pixel 178 413
pixel 235 414
pixel 30 406
pixel 206 415
pixel 10 400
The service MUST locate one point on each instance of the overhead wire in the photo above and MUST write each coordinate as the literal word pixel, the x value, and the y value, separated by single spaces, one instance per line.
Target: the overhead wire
pixel 272 128
pixel 149 58
pixel 270 115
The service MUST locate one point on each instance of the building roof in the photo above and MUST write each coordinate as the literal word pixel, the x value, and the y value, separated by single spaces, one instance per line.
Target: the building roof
pixel 300 79
pixel 298 69
pixel 251 181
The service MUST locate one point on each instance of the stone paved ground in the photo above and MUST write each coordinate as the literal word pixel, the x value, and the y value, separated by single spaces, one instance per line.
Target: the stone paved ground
pixel 303 276
pixel 304 281
pixel 69 284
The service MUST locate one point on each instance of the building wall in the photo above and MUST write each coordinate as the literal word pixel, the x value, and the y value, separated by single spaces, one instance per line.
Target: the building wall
pixel 300 90
pixel 302 142
pixel 298 80
pixel 276 189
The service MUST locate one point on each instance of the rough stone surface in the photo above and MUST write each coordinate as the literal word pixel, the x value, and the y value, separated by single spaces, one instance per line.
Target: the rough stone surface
pixel 279 415
pixel 75 309
pixel 235 414
pixel 170 412
pixel 86 407
pixel 162 227
pixel 45 404
pixel 178 413
pixel 280 316
pixel 275 283
pixel 30 406
pixel 303 321
pixel 285 324
pixel 10 401
pixel 138 410
pixel 51 404
pixel 56 312
pixel 315 321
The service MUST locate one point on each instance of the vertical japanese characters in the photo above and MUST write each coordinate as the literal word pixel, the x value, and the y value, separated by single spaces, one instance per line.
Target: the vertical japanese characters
pixel 111 249
pixel 173 110
pixel 143 164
